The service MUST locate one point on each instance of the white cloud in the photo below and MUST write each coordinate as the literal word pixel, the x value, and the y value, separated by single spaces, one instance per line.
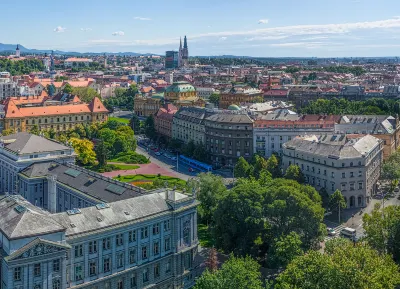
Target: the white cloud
pixel 86 29
pixel 142 18
pixel 223 38
pixel 59 29
pixel 296 30
pixel 263 21
pixel 118 33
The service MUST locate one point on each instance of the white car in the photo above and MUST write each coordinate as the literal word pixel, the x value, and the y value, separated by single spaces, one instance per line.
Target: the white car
pixel 331 232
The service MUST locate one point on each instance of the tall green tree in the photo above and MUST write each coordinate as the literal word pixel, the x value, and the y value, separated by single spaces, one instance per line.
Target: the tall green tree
pixel 85 94
pixel 68 88
pixel 337 202
pixel 293 172
pixel 149 127
pixel 214 98
pixel 102 153
pixel 273 166
pixel 382 230
pixel 134 123
pixel 285 249
pixel 242 168
pixel 260 164
pixel 84 149
pixel 239 273
pixel 342 266
pixel 34 129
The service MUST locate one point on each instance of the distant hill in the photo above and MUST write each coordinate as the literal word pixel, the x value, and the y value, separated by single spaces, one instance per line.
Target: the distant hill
pixel 12 47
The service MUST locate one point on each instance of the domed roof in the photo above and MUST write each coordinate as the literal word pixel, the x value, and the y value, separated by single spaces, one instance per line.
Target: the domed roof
pixel 233 107
pixel 180 86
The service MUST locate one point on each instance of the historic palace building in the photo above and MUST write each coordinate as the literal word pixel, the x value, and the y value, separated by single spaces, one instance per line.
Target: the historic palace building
pixel 182 93
pixel 22 113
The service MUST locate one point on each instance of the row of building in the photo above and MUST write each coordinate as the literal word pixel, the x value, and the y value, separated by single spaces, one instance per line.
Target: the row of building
pixel 62 226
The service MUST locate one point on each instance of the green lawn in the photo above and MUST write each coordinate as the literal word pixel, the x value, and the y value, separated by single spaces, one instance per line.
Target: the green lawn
pixel 155 181
pixel 125 167
pixel 204 235
pixel 120 119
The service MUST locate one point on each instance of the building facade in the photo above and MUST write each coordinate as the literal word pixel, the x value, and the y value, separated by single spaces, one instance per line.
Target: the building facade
pixel 18 151
pixel 188 124
pixel 146 106
pixel 163 120
pixel 274 129
pixel 239 95
pixel 8 88
pixel 22 116
pixel 171 59
pixel 338 162
pixel 182 93
pixel 229 135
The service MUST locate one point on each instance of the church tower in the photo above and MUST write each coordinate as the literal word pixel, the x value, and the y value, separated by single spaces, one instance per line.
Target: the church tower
pixel 180 53
pixel 17 52
pixel 185 53
pixel 105 60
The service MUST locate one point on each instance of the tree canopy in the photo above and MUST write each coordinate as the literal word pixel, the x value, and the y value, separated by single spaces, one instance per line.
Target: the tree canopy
pixel 25 66
pixel 342 266
pixel 86 94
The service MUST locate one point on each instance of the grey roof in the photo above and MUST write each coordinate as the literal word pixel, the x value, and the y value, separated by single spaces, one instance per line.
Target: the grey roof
pixel 26 143
pixel 191 114
pixel 281 114
pixel 120 212
pixel 375 124
pixel 344 148
pixel 20 219
pixel 230 118
pixel 87 182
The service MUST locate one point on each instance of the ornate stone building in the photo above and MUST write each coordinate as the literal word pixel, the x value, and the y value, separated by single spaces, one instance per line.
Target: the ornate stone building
pixel 182 93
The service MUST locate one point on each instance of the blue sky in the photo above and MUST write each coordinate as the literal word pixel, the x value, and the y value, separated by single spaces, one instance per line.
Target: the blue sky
pixel 307 28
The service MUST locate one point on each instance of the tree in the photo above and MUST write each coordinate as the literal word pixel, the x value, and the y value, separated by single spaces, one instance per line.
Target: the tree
pixel 293 172
pixel 273 166
pixel 34 129
pixel 337 202
pixel 7 131
pixel 102 154
pixel 382 230
pixel 84 149
pixel 200 153
pixel 85 94
pixel 285 249
pixel 342 266
pixel 210 189
pixel 239 273
pixel 134 123
pixel 149 127
pixel 212 261
pixel 260 164
pixel 51 89
pixel 214 98
pixel 68 88
pixel 242 168
pixel 189 148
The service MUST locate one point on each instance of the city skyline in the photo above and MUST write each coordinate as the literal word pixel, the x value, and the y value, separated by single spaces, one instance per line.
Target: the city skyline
pixel 261 28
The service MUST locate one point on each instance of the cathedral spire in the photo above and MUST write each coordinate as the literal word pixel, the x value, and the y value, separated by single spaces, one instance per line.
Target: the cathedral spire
pixel 185 42
pixel 180 45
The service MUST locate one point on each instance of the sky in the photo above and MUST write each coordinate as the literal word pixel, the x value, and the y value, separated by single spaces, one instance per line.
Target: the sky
pixel 264 28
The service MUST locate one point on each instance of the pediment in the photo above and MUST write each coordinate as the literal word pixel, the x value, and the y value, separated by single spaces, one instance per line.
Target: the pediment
pixel 37 247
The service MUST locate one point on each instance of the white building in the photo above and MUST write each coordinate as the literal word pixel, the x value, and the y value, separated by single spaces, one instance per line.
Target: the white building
pixel 338 162
pixel 205 92
pixel 77 62
pixel 7 86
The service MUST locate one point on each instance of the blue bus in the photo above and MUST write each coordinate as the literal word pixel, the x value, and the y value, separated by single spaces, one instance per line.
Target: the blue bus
pixel 195 164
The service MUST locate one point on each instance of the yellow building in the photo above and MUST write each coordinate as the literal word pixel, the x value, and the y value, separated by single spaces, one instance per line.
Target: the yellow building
pixel 23 115
pixel 146 106
pixel 182 93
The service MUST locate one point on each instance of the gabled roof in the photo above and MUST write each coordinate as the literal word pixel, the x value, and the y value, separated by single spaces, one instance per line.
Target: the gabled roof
pixel 26 143
pixel 97 106
pixel 20 219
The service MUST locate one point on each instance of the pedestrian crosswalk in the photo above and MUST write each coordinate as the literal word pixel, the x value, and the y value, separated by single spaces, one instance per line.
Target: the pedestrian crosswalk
pixel 334 226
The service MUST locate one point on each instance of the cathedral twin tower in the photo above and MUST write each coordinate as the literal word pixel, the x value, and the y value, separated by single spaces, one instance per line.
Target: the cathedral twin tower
pixel 183 53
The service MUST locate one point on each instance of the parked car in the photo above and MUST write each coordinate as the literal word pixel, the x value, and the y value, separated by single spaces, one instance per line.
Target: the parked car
pixel 397 190
pixel 331 232
pixel 158 153
pixel 173 158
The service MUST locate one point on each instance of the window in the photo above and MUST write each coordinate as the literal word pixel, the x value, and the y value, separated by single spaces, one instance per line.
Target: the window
pixel 167 225
pixel 308 168
pixel 56 284
pixel 92 268
pixel 92 247
pixel 333 174
pixel 106 243
pixel 343 175
pixel 36 270
pixel 17 274
pixel 167 244
pixel 359 173
pixel 156 248
pixel 120 260
pixel 56 265
pixel 156 229
pixel 333 187
pixel 144 252
pixel 343 187
pixel 343 165
pixel 78 273
pixel 144 233
pixel 352 187
pixel 145 275
pixel 168 267
pixel 133 281
pixel 360 185
pixel 106 264
pixel 78 250
pixel 37 286
pixel 120 284
pixel 132 256
pixel 119 240
pixel 132 236
pixel 157 270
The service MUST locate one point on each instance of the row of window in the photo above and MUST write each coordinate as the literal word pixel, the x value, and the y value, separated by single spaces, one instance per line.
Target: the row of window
pixel 37 270
pixel 119 239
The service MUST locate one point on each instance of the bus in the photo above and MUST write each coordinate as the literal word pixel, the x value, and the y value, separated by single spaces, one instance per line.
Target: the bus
pixel 349 233
pixel 195 164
